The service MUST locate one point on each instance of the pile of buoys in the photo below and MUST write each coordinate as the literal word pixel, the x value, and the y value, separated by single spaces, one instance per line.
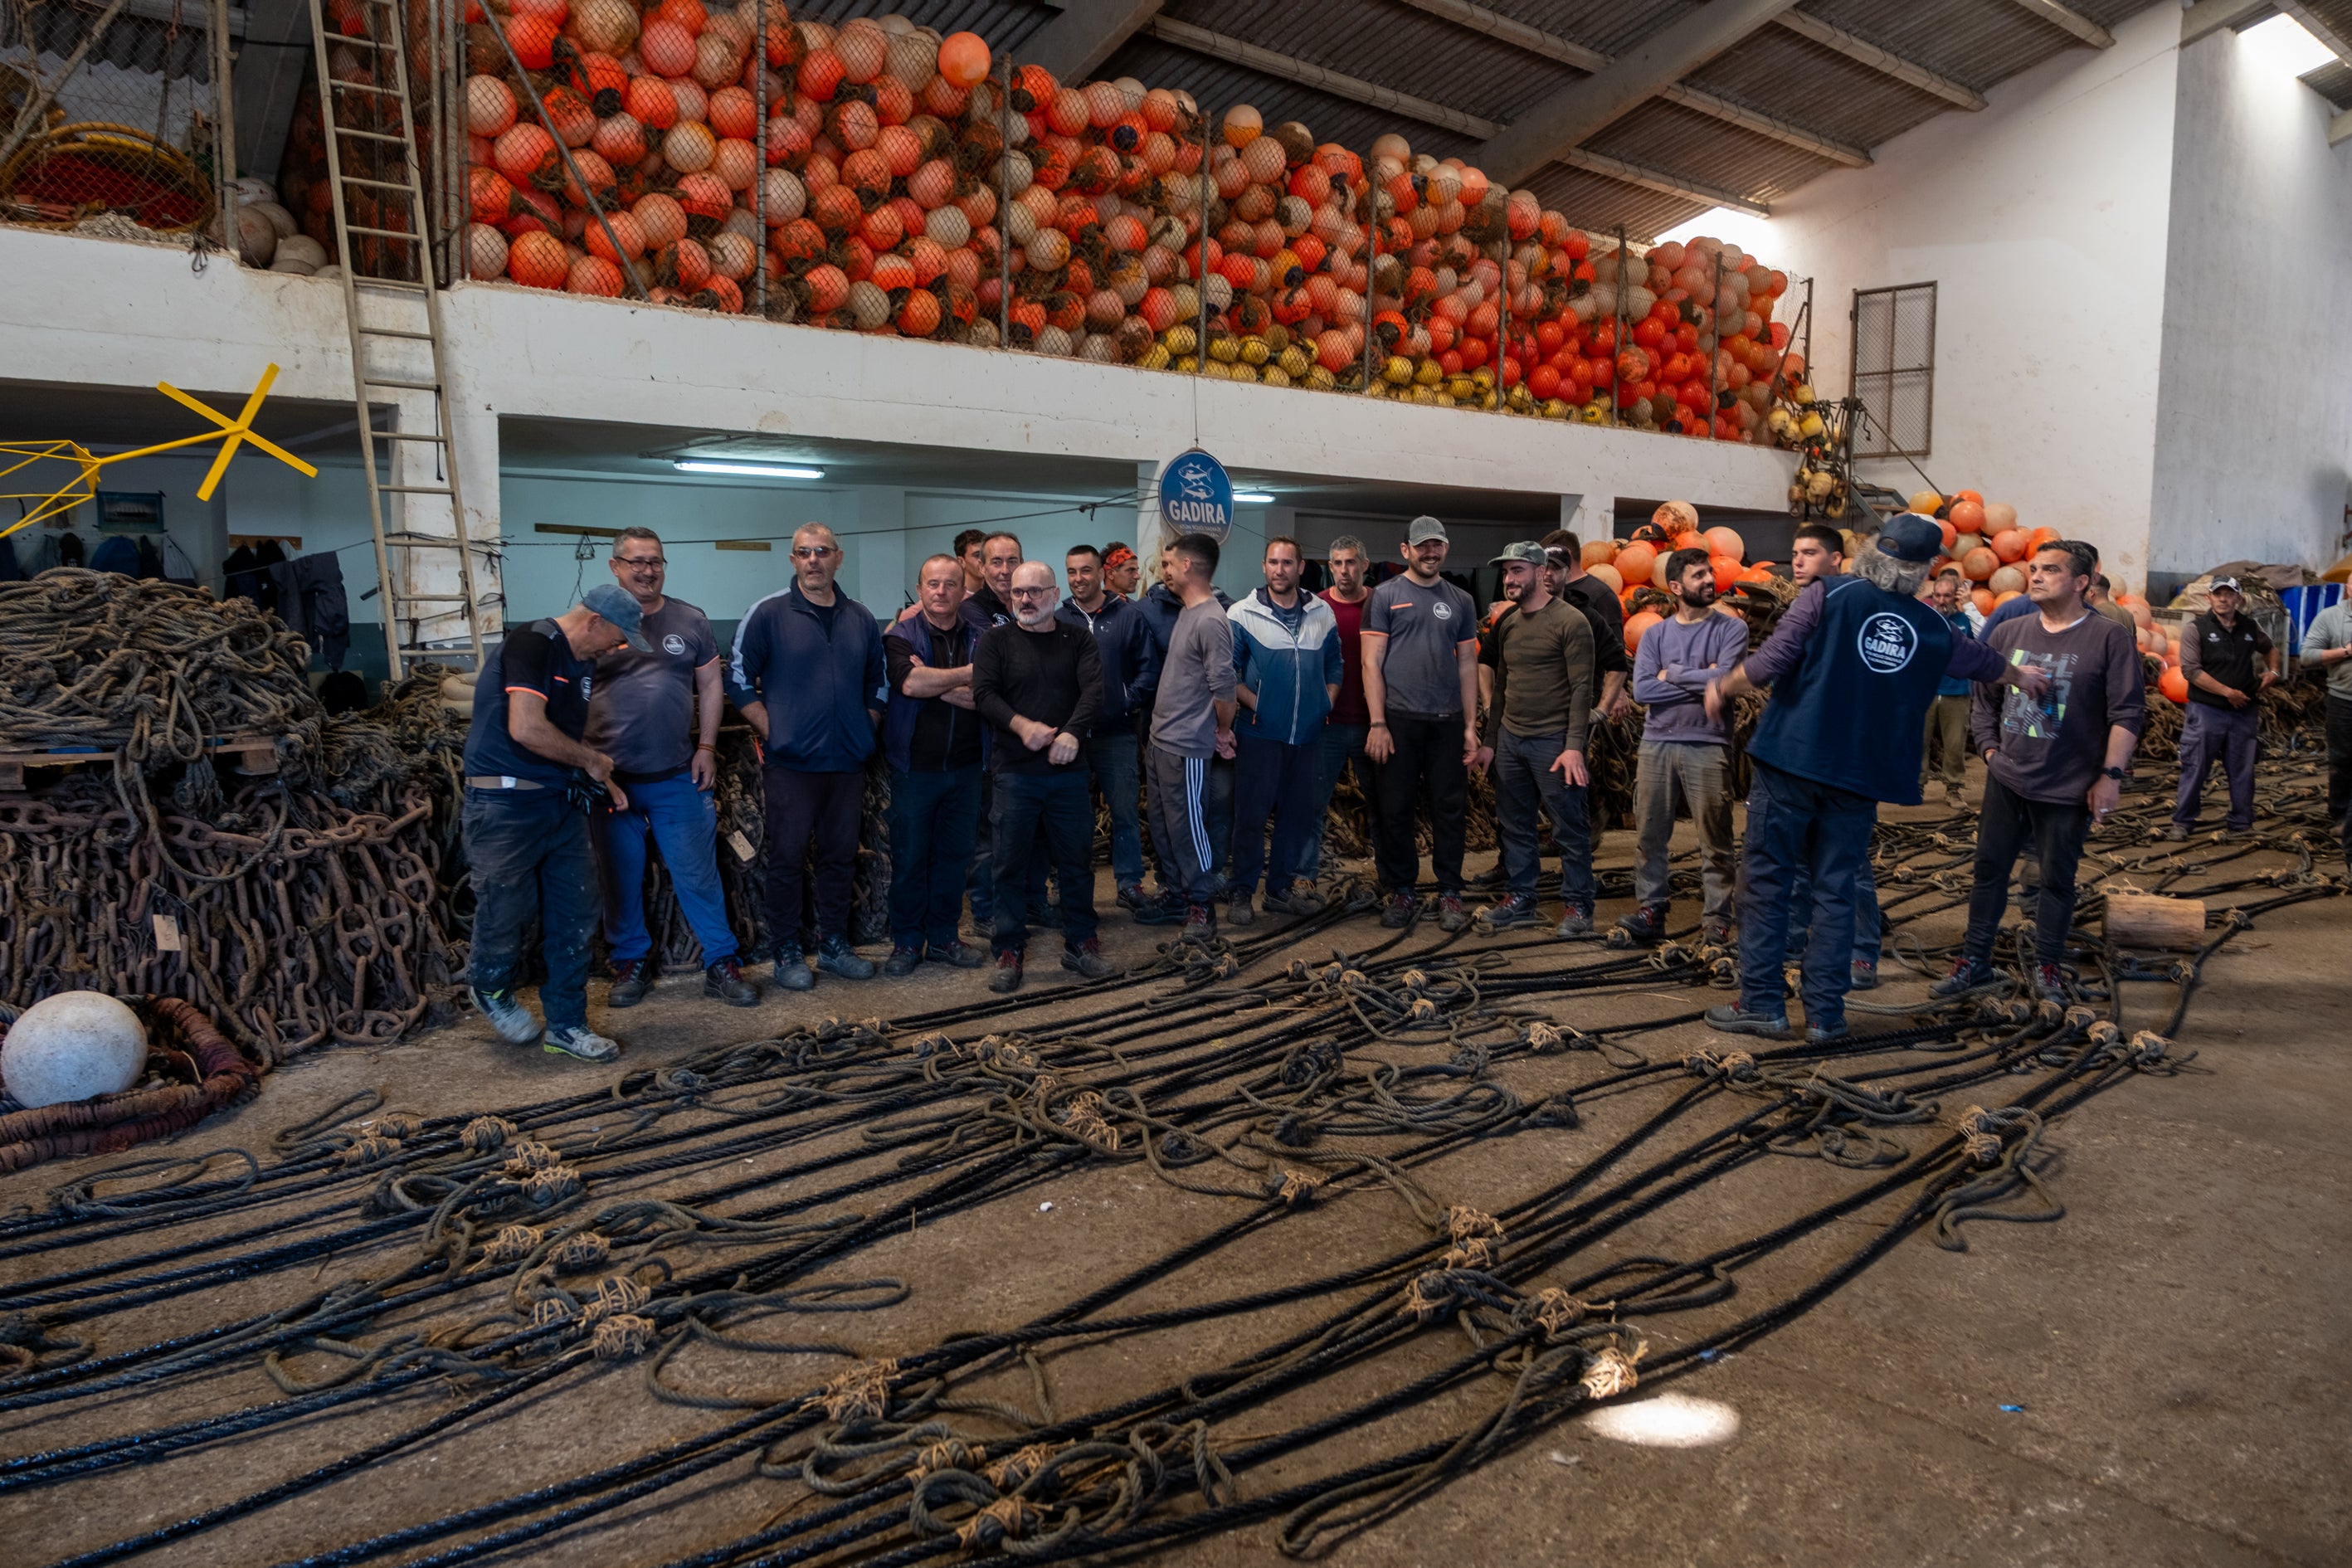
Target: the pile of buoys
pixel 1636 568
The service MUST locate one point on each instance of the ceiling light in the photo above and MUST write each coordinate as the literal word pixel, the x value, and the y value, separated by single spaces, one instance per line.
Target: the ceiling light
pixel 1252 498
pixel 2286 45
pixel 743 471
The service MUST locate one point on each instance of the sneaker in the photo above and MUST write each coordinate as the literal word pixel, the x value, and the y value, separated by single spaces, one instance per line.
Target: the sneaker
pixel 2050 984
pixel 1008 974
pixel 1573 923
pixel 959 954
pixel 1087 958
pixel 1300 900
pixel 581 1043
pixel 1733 1019
pixel 901 961
pixel 1511 910
pixel 632 978
pixel 724 981
pixel 835 956
pixel 1863 975
pixel 1954 798
pixel 2176 834
pixel 508 1017
pixel 1158 912
pixel 1133 897
pixel 1820 1036
pixel 1238 912
pixel 1493 876
pixel 792 972
pixel 1046 916
pixel 1200 921
pixel 1451 915
pixel 1965 975
pixel 1715 931
pixel 1646 922
pixel 1397 911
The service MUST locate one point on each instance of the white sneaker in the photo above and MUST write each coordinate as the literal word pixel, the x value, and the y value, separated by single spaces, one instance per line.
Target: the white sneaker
pixel 581 1042
pixel 507 1014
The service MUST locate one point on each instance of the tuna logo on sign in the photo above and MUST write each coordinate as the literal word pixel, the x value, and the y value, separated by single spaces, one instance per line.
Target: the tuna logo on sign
pixel 1886 642
pixel 1196 497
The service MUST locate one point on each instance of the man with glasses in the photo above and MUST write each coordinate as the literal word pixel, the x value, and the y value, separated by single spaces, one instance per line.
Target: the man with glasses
pixel 810 677
pixel 655 714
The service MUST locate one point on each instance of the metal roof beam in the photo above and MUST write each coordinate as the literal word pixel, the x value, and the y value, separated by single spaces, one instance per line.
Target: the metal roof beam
pixel 1307 73
pixel 2071 20
pixel 1565 118
pixel 1885 61
pixel 2210 17
pixel 1074 45
pixel 1660 180
pixel 1568 51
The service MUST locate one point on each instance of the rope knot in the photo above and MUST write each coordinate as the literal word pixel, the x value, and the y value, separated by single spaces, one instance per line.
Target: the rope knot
pixel 621 1336
pixel 1006 1519
pixel 549 1310
pixel 483 1134
pixel 513 1243
pixel 947 1454
pixel 368 1149
pixel 552 1185
pixel 1351 977
pixel 1423 1009
pixel 1979 1137
pixel 1610 1372
pixel 935 1046
pixel 1556 1309
pixel 2148 1045
pixel 860 1394
pixel 1474 1235
pixel 1414 980
pixel 616 1296
pixel 531 1155
pixel 1297 1188
pixel 1019 1466
pixel 580 1252
pixel 1543 1038
pixel 1083 1117
pixel 397 1124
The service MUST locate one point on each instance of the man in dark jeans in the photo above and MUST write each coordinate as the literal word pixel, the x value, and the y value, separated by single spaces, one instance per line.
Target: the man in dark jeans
pixel 1545 689
pixel 810 677
pixel 1039 683
pixel 2054 764
pixel 935 744
pixel 1349 725
pixel 1131 673
pixel 2327 646
pixel 526 826
pixel 2228 663
pixel 1421 688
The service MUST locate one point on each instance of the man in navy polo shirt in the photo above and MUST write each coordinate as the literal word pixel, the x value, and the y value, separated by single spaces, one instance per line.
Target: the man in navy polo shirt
pixel 1852 667
pixel 525 820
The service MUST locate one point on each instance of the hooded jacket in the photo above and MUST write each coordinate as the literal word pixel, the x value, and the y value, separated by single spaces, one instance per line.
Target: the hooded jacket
pixel 1130 659
pixel 1292 673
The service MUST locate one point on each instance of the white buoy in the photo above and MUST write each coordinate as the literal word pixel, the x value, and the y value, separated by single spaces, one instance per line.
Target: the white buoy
pixel 73 1046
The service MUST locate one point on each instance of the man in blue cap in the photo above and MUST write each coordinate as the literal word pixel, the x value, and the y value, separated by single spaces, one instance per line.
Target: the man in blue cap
pixel 1852 667
pixel 531 782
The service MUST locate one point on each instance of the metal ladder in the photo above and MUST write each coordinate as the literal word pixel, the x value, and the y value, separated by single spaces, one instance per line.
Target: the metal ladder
pixel 382 345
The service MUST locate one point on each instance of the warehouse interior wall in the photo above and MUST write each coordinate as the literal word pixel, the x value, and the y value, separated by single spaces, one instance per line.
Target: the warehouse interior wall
pixel 2042 219
pixel 2254 414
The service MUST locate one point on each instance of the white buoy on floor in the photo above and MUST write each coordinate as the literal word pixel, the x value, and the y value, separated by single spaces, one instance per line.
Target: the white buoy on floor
pixel 72 1045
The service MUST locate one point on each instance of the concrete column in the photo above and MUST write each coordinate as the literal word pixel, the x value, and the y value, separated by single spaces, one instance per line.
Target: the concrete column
pixel 1589 517
pixel 1150 535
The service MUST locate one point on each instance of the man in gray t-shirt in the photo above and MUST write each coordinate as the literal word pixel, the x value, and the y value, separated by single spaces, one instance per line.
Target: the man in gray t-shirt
pixel 1421 687
pixel 2327 646
pixel 655 714
pixel 1192 720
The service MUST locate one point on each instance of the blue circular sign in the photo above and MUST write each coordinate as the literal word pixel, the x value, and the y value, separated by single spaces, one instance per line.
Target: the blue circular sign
pixel 1196 497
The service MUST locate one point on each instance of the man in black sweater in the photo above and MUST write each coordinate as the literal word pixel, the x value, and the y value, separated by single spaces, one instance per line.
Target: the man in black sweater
pixel 1038 682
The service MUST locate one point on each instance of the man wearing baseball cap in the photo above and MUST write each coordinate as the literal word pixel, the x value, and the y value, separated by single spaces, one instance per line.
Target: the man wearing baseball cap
pixel 1420 688
pixel 1852 667
pixel 1543 704
pixel 2228 662
pixel 525 817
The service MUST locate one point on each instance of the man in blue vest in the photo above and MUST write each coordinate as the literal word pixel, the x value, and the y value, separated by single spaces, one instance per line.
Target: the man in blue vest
pixel 1852 667
pixel 936 744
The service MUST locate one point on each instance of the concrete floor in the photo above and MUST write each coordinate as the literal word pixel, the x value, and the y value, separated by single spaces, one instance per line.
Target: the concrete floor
pixel 2174 1347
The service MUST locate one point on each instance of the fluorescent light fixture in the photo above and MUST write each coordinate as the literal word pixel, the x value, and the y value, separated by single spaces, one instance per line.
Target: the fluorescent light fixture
pixel 1252 498
pixel 743 471
pixel 2286 45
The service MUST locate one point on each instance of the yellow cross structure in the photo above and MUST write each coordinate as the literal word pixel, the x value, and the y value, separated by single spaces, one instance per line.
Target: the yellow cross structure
pixel 83 486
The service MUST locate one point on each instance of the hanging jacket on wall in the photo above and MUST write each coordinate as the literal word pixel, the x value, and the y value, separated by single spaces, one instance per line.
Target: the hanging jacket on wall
pixel 150 560
pixel 116 552
pixel 266 555
pixel 10 571
pixel 241 575
pixel 177 566
pixel 310 598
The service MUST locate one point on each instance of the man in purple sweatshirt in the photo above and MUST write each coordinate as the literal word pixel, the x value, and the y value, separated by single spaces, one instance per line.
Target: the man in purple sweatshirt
pixel 1686 755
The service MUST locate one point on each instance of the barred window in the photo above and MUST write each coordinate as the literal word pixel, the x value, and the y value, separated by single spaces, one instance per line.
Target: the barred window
pixel 1894 369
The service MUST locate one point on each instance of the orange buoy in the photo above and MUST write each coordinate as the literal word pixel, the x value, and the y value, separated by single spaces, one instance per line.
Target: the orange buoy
pixel 1967 515
pixel 2009 544
pixel 489 105
pixel 594 275
pixel 1602 571
pixel 1726 570
pixel 1635 626
pixel 1634 562
pixel 963 59
pixel 539 260
pixel 1721 540
pixel 1980 564
pixel 2174 684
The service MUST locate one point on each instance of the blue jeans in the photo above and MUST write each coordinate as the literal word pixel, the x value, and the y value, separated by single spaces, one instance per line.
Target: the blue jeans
pixel 1867 936
pixel 1271 779
pixel 683 822
pixel 1342 745
pixel 1526 785
pixel 530 858
pixel 934 824
pixel 1060 808
pixel 1795 827
pixel 1112 759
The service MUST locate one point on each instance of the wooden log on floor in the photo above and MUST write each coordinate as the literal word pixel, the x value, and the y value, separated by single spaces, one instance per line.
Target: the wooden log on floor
pixel 2152 920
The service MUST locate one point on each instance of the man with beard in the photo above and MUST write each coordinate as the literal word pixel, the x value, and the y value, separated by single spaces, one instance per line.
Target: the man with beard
pixel 1121 569
pixel 1536 726
pixel 1685 755
pixel 1420 688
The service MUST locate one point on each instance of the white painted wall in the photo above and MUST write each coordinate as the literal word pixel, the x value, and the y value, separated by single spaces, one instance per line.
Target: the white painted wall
pixel 2254 419
pixel 2044 220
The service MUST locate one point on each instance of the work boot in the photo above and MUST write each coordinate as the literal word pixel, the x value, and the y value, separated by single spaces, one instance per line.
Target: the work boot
pixel 835 956
pixel 1715 931
pixel 581 1043
pixel 1397 911
pixel 1160 911
pixel 1133 897
pixel 901 961
pixel 792 973
pixel 724 981
pixel 1830 1036
pixel 1863 975
pixel 1966 975
pixel 1087 958
pixel 1299 901
pixel 1008 974
pixel 1046 916
pixel 507 1014
pixel 1734 1019
pixel 1954 798
pixel 1646 922
pixel 1493 876
pixel 1451 914
pixel 1200 922
pixel 632 978
pixel 2176 834
pixel 1510 910
pixel 1574 921
pixel 959 954
pixel 1238 912
pixel 2050 984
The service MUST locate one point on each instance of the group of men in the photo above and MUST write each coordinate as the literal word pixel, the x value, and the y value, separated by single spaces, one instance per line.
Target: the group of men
pixel 1006 703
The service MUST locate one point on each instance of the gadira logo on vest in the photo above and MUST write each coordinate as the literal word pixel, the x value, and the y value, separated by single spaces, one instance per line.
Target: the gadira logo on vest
pixel 1886 642
pixel 1195 497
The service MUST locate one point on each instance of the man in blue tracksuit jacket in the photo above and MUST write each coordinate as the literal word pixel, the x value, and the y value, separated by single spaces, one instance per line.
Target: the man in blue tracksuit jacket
pixel 1287 667
pixel 810 676
pixel 1130 676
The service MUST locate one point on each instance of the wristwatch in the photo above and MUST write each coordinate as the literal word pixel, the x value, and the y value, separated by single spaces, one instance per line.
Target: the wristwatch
pixel 2115 773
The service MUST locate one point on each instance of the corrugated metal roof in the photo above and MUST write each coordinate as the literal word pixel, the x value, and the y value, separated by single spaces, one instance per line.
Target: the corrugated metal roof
pixel 1216 87
pixel 1801 80
pixel 2336 14
pixel 2334 83
pixel 1977 42
pixel 1613 27
pixel 1705 150
pixel 1601 204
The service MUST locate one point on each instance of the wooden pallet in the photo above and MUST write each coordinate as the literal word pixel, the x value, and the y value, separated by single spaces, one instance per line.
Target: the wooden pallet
pixel 249 754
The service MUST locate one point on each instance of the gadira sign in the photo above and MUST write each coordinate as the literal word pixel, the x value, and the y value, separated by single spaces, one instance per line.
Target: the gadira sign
pixel 1195 497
